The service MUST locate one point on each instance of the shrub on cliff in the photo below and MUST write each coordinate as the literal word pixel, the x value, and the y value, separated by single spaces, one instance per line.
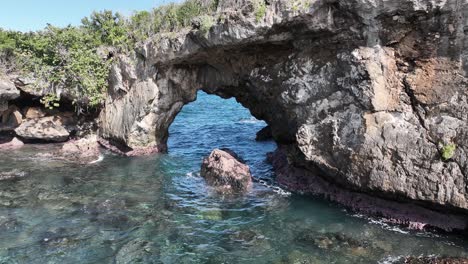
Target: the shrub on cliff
pixel 7 41
pixel 68 58
pixel 65 58
pixel 168 18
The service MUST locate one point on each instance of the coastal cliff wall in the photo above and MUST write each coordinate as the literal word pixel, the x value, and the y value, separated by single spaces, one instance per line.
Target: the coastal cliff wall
pixel 371 95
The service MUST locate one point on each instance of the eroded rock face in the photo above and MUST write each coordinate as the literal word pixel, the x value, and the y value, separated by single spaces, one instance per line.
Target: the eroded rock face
pixel 8 92
pixel 367 93
pixel 10 118
pixel 223 170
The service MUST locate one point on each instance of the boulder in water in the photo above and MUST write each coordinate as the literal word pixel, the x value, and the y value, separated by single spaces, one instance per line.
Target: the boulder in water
pixel 85 149
pixel 225 172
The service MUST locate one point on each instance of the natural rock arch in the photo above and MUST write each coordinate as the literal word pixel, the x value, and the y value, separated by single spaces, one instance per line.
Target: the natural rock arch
pixel 365 92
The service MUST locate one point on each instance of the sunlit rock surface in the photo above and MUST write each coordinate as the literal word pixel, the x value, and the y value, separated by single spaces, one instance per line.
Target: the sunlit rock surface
pixel 47 129
pixel 226 172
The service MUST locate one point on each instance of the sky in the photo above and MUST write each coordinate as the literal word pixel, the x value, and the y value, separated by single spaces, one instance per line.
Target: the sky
pixel 30 15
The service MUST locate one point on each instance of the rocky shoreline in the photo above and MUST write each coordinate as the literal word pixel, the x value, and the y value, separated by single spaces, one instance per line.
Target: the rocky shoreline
pixel 370 97
pixel 407 214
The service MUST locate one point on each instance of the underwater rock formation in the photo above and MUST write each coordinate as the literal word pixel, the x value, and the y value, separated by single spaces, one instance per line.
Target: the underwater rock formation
pixel 369 94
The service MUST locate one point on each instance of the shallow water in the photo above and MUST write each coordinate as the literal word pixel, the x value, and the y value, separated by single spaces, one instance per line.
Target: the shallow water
pixel 158 210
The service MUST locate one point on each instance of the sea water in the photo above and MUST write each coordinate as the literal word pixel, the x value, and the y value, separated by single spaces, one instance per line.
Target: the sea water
pixel 157 209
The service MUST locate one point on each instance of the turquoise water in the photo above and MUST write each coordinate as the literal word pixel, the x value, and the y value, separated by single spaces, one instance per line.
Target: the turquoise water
pixel 158 210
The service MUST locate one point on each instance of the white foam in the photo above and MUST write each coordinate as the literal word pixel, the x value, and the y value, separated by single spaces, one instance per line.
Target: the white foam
pixel 251 120
pixel 274 188
pixel 391 259
pixel 101 158
pixel 192 174
pixel 383 224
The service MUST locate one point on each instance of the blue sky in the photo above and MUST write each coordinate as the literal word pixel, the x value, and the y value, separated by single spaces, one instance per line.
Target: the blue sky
pixel 27 15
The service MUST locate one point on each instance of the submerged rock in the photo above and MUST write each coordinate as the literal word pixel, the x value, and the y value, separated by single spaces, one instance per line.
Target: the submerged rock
pixel 136 251
pixel 85 149
pixel 50 129
pixel 225 172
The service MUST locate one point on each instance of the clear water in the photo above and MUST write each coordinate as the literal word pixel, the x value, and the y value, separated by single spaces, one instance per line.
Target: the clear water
pixel 158 210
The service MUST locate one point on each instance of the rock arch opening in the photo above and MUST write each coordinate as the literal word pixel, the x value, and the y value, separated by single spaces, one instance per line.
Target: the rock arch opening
pixel 213 122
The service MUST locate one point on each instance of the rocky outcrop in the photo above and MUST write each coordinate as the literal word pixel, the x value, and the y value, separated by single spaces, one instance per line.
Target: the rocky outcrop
pixel 48 129
pixel 371 95
pixel 224 171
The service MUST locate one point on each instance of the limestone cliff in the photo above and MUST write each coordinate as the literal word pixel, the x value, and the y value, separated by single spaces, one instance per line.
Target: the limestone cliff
pixel 369 94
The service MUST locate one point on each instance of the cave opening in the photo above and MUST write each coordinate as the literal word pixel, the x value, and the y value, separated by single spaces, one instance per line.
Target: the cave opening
pixel 212 122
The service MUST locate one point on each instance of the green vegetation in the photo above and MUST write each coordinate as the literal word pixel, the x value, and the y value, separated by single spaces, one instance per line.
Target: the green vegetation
pixel 206 22
pixel 7 41
pixel 300 5
pixel 69 57
pixel 50 101
pixel 260 9
pixel 448 151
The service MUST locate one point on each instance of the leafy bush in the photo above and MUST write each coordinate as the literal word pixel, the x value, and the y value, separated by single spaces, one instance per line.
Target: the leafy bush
pixel 206 22
pixel 260 9
pixel 7 41
pixel 50 101
pixel 108 27
pixel 67 57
